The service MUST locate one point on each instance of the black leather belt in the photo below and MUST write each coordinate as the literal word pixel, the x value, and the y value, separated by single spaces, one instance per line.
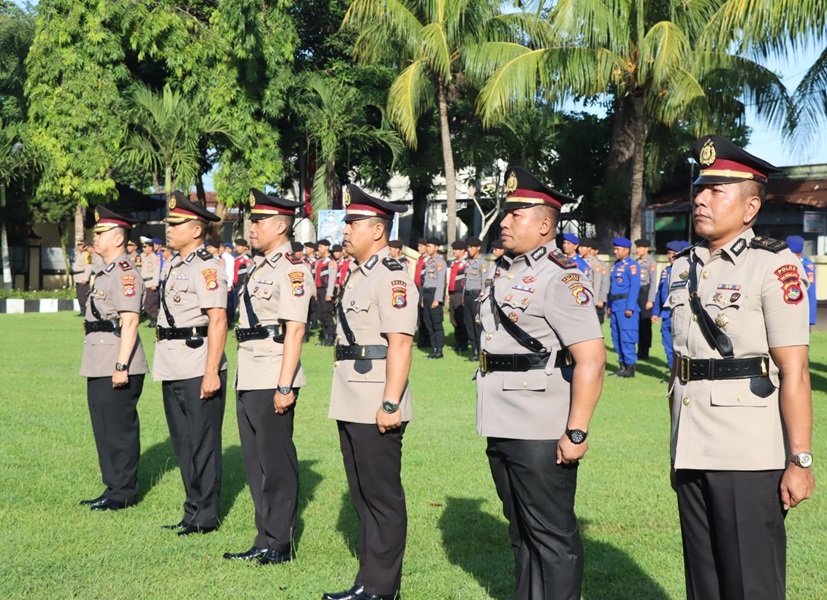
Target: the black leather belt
pixel 618 296
pixel 357 352
pixel 262 332
pixel 147 278
pixel 521 362
pixel 110 326
pixel 473 292
pixel 692 369
pixel 179 333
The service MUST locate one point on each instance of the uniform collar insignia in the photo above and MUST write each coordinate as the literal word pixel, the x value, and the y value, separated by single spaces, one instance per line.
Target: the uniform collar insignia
pixel 274 258
pixel 539 253
pixel 371 262
pixel 738 246
pixel 109 267
pixel 190 257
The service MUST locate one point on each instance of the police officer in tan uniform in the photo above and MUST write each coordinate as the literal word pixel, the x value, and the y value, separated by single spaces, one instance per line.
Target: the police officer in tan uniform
pixel 740 399
pixel 475 275
pixel 190 362
pixel 151 273
pixel 273 304
pixel 646 296
pixel 371 399
pixel 85 265
pixel 540 376
pixel 433 296
pixel 114 363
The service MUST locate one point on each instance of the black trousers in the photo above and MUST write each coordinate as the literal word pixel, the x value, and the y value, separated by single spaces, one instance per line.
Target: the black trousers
pixel 456 312
pixel 312 314
pixel 644 342
pixel 152 303
pixel 195 431
pixel 601 315
pixel 538 501
pixel 433 318
pixel 325 310
pixel 82 291
pixel 117 430
pixel 424 340
pixel 373 464
pixel 471 304
pixel 734 540
pixel 272 466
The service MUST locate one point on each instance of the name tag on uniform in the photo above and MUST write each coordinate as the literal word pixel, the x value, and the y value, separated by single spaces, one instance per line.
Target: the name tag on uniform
pixel 678 284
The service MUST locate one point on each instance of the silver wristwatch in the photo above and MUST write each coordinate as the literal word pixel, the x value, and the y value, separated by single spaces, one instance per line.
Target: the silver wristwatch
pixel 802 459
pixel 284 389
pixel 121 366
pixel 390 407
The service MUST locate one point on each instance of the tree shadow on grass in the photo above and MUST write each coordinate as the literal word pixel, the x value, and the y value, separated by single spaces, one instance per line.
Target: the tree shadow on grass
pixel 818 380
pixel 348 524
pixel 156 461
pixel 309 480
pixel 479 544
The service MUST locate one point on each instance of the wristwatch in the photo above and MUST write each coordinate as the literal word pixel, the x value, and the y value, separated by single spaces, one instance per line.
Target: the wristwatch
pixel 577 436
pixel 390 407
pixel 121 366
pixel 802 459
pixel 284 389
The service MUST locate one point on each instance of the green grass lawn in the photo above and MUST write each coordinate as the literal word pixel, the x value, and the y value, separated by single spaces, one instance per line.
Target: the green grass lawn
pixel 457 540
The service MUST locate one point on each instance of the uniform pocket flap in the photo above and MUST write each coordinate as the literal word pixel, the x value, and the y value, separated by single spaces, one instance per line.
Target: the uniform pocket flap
pixel 534 380
pixel 736 393
pixel 366 371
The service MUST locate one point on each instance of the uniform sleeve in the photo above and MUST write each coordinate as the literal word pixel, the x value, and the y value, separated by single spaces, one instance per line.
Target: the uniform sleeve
pixel 441 272
pixel 569 308
pixel 784 298
pixel 634 286
pixel 660 297
pixel 397 298
pixel 295 290
pixel 127 289
pixel 332 269
pixel 653 273
pixel 211 285
pixel 607 280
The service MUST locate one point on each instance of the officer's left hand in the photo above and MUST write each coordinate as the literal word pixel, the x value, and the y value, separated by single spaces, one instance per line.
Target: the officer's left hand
pixel 655 319
pixel 649 305
pixel 388 422
pixel 797 485
pixel 628 313
pixel 434 304
pixel 569 452
pixel 282 402
pixel 210 384
pixel 120 379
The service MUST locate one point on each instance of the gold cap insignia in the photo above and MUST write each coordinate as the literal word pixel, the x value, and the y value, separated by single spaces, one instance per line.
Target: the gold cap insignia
pixel 346 197
pixel 97 216
pixel 708 155
pixel 252 200
pixel 172 203
pixel 510 183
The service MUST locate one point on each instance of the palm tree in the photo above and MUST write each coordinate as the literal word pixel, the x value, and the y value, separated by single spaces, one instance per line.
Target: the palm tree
pixel 168 135
pixel 659 60
pixel 335 117
pixel 425 39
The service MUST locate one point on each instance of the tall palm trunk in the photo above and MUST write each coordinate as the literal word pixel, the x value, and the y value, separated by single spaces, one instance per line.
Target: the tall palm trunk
pixel 611 216
pixel 640 132
pixel 448 158
pixel 168 181
pixel 7 282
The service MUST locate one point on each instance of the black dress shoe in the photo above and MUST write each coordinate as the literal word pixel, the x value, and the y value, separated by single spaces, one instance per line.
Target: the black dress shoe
pixel 179 525
pixel 190 529
pixel 109 504
pixel 436 355
pixel 367 596
pixel 92 501
pixel 251 554
pixel 274 557
pixel 350 594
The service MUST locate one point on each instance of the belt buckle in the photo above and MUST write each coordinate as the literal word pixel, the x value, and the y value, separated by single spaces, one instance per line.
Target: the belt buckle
pixel 484 361
pixel 765 366
pixel 158 334
pixel 362 351
pixel 684 369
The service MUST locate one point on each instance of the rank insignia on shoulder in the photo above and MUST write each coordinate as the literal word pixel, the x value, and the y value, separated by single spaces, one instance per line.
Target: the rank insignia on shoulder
pixel 204 254
pixel 124 265
pixel 293 258
pixel 391 264
pixel 766 243
pixel 561 260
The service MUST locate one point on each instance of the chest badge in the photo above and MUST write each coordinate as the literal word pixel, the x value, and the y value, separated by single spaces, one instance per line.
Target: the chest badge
pixel 721 320
pixel 176 298
pixel 684 275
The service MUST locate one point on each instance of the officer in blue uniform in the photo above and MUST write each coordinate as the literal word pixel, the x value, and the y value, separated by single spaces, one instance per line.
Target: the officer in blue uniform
pixel 570 244
pixel 623 308
pixel 796 246
pixel 664 313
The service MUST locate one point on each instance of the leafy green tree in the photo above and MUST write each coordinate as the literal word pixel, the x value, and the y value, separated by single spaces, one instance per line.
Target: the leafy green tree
pixel 656 59
pixel 424 40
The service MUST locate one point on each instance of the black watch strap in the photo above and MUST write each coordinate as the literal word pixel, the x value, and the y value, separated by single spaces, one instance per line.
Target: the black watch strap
pixel 577 436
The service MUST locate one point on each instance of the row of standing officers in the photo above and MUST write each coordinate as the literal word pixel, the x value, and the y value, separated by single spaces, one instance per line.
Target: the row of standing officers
pixel 540 375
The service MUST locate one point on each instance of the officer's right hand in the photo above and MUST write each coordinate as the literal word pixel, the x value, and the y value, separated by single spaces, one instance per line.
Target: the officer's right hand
pixel 673 479
pixel 628 313
pixel 388 422
pixel 608 311
pixel 210 384
pixel 655 319
pixel 282 402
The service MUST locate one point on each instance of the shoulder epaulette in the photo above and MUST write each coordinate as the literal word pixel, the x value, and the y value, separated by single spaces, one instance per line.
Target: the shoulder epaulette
pixel 391 263
pixel 685 251
pixel 766 243
pixel 124 265
pixel 293 258
pixel 204 254
pixel 561 260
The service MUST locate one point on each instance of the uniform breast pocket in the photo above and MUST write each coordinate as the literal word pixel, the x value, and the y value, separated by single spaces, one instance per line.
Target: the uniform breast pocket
pixel 262 292
pixel 178 286
pixel 726 309
pixel 678 301
pixel 535 381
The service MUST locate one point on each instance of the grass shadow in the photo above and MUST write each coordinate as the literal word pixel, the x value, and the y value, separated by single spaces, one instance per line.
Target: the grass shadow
pixel 348 524
pixel 478 543
pixel 156 461
pixel 309 480
pixel 233 477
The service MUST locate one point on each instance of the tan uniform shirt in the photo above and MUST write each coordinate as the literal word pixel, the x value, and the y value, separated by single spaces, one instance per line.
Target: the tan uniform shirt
pixel 118 289
pixel 192 285
pixel 649 276
pixel 554 305
pixel 759 300
pixel 379 298
pixel 151 270
pixel 86 264
pixel 279 287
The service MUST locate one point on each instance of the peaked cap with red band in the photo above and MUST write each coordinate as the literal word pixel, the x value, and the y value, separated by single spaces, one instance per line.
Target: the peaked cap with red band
pixel 182 209
pixel 524 190
pixel 106 219
pixel 264 205
pixel 359 205
pixel 723 162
